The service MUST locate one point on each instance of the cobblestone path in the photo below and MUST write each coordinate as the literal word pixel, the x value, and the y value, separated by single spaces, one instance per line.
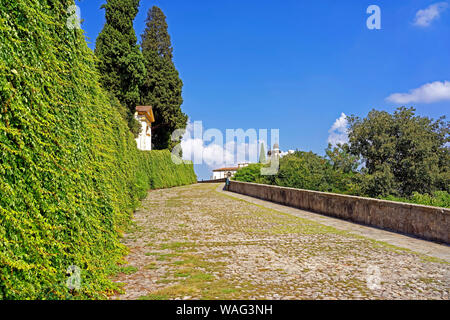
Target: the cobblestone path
pixel 193 242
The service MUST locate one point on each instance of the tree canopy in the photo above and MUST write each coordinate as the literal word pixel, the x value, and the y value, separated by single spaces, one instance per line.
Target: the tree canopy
pixel 120 60
pixel 303 170
pixel 398 156
pixel 250 173
pixel 156 37
pixel 162 86
pixel 402 153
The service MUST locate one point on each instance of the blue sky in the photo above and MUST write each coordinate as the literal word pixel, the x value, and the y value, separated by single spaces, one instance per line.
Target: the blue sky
pixel 298 65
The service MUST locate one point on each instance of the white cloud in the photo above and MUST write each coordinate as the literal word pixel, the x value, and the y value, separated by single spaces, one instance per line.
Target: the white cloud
pixel 428 93
pixel 216 153
pixel 425 17
pixel 338 131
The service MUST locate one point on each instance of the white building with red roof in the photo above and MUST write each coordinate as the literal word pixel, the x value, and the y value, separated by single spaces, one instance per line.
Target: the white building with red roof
pixel 144 114
pixel 223 172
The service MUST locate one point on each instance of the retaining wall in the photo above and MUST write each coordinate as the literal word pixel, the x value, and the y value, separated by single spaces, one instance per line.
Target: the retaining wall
pixel 213 181
pixel 431 223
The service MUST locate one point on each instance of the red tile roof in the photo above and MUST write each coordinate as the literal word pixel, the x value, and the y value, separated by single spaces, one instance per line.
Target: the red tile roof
pixel 146 111
pixel 143 108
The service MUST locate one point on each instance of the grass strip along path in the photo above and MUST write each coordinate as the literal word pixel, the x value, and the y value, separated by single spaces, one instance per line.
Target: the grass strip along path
pixel 194 242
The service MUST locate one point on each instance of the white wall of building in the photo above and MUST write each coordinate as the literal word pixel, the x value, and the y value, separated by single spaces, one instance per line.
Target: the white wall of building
pixel 221 174
pixel 144 140
pixel 218 175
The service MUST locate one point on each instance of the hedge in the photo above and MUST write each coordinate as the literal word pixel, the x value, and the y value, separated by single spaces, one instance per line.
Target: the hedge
pixel 70 172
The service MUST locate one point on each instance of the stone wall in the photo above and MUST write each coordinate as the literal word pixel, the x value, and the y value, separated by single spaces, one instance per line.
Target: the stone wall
pixel 212 181
pixel 425 222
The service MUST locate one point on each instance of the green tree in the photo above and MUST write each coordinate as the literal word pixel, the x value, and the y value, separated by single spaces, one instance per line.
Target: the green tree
pixel 262 154
pixel 341 158
pixel 304 170
pixel 402 153
pixel 120 60
pixel 156 37
pixel 307 170
pixel 162 87
pixel 250 173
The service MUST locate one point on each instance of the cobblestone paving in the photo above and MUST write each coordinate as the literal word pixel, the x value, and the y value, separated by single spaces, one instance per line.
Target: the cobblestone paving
pixel 196 243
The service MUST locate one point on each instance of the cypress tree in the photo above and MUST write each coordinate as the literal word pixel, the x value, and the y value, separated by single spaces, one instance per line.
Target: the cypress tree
pixel 156 37
pixel 162 87
pixel 262 154
pixel 120 59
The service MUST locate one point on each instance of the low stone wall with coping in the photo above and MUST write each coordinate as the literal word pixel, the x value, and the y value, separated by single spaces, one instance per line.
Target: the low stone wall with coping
pixel 431 223
pixel 213 180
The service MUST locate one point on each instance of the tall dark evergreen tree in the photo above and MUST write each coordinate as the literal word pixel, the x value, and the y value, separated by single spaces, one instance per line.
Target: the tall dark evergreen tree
pixel 156 37
pixel 262 154
pixel 121 63
pixel 162 87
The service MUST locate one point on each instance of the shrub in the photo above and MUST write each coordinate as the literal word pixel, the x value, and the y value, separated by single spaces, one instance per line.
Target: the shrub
pixel 437 199
pixel 250 173
pixel 303 170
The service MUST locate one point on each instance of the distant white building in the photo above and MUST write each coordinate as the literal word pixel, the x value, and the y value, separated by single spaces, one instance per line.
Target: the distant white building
pixel 277 152
pixel 244 164
pixel 271 154
pixel 144 114
pixel 223 172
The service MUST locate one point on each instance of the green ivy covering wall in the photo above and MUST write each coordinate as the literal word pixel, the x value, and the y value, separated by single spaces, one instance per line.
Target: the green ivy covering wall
pixel 70 172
